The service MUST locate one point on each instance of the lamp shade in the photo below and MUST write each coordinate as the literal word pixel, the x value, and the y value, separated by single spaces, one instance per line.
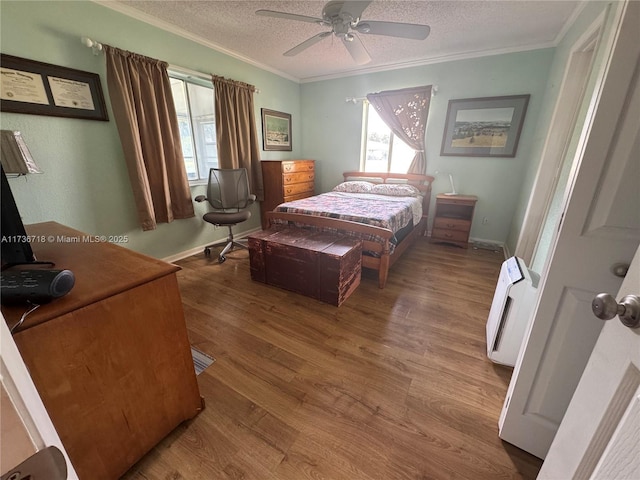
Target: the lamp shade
pixel 15 155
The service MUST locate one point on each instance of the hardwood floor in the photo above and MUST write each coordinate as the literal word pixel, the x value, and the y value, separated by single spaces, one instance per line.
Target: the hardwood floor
pixel 394 384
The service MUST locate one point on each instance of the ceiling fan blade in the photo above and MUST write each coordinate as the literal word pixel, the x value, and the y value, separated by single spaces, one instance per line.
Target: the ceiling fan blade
pixel 306 44
pixel 356 49
pixel 354 8
pixel 394 29
pixel 288 16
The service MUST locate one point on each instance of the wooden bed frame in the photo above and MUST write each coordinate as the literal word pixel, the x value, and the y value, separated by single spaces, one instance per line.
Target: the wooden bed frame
pixel 383 259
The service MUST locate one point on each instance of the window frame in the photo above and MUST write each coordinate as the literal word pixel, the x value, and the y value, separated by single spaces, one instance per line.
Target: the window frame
pixel 365 136
pixel 201 81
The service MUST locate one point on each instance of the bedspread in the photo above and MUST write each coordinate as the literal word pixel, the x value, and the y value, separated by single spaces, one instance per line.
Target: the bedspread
pixel 384 211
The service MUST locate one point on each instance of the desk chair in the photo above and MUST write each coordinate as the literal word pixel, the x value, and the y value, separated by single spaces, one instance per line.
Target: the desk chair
pixel 228 194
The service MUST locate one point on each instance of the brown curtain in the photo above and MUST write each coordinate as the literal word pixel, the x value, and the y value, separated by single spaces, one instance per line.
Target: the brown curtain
pixel 143 108
pixel 405 112
pixel 236 130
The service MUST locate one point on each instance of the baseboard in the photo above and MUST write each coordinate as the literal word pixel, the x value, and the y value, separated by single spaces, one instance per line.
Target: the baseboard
pixel 474 242
pixel 489 245
pixel 486 244
pixel 200 249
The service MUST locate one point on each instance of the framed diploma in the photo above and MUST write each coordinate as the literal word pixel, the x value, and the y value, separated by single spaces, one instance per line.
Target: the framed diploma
pixel 37 88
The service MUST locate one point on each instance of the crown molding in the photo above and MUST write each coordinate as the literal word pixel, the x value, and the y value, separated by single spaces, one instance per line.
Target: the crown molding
pixel 570 21
pixel 450 57
pixel 143 17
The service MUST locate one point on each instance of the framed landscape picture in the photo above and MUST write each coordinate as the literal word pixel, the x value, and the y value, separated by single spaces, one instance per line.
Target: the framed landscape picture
pixel 484 127
pixel 276 130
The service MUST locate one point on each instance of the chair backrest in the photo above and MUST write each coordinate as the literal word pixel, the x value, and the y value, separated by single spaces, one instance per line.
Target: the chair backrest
pixel 228 188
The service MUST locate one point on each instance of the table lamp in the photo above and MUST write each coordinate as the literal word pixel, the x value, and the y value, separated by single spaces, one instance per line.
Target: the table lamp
pixel 16 158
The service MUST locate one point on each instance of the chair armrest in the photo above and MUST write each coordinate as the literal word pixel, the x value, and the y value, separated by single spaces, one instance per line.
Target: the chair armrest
pixel 200 198
pixel 250 199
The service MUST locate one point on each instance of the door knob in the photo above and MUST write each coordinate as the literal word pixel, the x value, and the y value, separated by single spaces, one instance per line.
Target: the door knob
pixel 605 307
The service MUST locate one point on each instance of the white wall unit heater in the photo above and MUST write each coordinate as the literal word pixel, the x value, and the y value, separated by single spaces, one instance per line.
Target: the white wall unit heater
pixel 511 310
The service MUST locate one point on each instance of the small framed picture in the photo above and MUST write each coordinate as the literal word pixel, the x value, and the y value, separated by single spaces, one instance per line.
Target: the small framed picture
pixel 38 88
pixel 484 127
pixel 276 130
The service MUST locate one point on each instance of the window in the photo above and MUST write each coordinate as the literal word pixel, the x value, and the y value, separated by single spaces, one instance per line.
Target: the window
pixel 382 150
pixel 196 118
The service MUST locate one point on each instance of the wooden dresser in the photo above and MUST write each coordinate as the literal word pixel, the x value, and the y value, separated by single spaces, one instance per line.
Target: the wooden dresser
pixel 285 180
pixel 111 359
pixel 452 221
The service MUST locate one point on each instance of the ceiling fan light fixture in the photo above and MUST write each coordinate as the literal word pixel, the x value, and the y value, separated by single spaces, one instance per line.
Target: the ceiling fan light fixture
pixel 343 18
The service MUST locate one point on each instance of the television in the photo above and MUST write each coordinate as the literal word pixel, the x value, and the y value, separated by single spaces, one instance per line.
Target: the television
pixel 16 249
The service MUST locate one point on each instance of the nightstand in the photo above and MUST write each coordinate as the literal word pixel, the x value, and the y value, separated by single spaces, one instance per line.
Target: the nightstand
pixel 452 222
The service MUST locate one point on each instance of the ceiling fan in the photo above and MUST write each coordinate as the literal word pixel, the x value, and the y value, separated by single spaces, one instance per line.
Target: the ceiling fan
pixel 343 17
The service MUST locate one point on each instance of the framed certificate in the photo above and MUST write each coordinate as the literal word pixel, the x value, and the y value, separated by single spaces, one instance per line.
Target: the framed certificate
pixel 37 88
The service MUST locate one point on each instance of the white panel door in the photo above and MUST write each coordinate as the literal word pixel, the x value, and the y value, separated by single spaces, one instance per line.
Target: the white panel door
pixel 601 227
pixel 599 436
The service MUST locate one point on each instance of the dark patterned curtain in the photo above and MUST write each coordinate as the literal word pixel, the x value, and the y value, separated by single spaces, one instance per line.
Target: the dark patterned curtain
pixel 405 112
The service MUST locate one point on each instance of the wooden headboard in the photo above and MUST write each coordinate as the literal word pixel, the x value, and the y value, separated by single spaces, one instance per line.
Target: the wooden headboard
pixel 421 182
pixel 415 179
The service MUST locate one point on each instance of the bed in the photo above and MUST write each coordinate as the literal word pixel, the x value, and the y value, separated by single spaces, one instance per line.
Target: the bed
pixel 387 211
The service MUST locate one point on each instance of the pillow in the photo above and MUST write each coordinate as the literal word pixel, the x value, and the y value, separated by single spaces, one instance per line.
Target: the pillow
pixel 395 190
pixel 354 187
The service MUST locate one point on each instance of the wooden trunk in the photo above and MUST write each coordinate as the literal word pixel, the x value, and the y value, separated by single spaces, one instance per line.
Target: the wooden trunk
pixel 319 265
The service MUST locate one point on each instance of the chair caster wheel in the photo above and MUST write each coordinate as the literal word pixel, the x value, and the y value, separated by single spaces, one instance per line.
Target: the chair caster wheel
pixel 207 252
pixel 221 259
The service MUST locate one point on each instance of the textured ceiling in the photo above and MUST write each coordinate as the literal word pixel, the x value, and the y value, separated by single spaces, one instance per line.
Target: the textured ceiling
pixel 458 29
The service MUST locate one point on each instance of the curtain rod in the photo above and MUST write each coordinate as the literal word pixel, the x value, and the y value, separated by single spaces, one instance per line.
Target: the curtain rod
pixel 97 50
pixel 354 100
pixel 92 44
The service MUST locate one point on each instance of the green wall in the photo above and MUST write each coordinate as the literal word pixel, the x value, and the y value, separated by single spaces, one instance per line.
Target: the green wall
pixel 583 22
pixel 85 184
pixel 332 128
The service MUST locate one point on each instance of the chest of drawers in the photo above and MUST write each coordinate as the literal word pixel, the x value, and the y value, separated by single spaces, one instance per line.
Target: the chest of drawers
pixel 284 181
